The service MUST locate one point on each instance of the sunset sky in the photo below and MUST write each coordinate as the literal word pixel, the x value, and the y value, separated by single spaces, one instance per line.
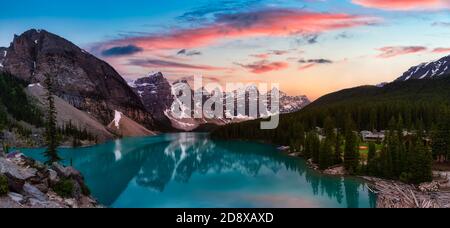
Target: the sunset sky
pixel 310 47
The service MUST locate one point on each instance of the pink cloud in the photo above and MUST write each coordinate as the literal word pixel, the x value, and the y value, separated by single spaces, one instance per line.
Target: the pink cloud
pixel 441 50
pixel 307 66
pixel 261 56
pixel 404 4
pixel 158 63
pixel 271 22
pixel 270 53
pixel 389 52
pixel 264 66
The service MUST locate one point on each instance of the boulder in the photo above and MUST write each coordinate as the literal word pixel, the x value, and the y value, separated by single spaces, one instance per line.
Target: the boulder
pixel 35 203
pixel 16 175
pixel 53 177
pixel 33 192
pixel 43 186
pixel 16 197
pixel 68 172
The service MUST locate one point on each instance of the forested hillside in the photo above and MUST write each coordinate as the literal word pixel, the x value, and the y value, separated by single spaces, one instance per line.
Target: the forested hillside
pixel 415 115
pixel 413 103
pixel 15 105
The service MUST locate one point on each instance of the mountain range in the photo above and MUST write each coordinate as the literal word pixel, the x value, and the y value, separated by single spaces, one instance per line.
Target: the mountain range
pixel 156 93
pixel 91 94
pixel 430 70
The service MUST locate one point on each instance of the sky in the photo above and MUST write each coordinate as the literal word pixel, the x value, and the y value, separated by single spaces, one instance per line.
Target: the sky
pixel 310 47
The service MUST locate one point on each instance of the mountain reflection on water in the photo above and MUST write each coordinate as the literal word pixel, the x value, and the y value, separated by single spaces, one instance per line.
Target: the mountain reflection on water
pixel 191 170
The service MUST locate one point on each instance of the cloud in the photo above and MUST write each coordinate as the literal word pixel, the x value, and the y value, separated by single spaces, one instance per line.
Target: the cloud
pixel 270 53
pixel 441 50
pixel 201 13
pixel 264 66
pixel 121 51
pixel 343 35
pixel 404 4
pixel 157 63
pixel 279 52
pixel 389 52
pixel 188 53
pixel 443 24
pixel 268 22
pixel 309 63
pixel 307 39
pixel 307 66
pixel 316 61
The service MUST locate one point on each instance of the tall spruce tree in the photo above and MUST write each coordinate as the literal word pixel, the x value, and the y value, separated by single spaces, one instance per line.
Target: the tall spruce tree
pixel 441 139
pixel 51 135
pixel 371 156
pixel 326 154
pixel 351 152
pixel 338 149
pixel 315 148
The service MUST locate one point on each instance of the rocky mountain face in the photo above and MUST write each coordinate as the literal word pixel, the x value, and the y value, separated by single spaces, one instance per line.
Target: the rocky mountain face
pixel 3 52
pixel 289 104
pixel 80 78
pixel 430 70
pixel 156 94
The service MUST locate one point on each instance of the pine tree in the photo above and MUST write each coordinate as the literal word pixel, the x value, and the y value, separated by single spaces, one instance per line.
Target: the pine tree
pixel 326 154
pixel 328 128
pixel 307 151
pixel 422 164
pixel 338 150
pixel 51 137
pixel 351 152
pixel 423 161
pixel 441 139
pixel 315 148
pixel 371 168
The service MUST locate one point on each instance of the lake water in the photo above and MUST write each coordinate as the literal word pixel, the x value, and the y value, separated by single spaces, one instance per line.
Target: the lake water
pixel 190 170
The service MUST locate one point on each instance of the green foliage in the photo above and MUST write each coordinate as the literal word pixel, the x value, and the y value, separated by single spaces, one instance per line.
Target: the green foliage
pixel 77 134
pixel 51 134
pixel 338 149
pixel 351 152
pixel 16 106
pixel 16 102
pixel 64 188
pixel 326 154
pixel 315 147
pixel 6 148
pixel 4 189
pixel 398 106
pixel 371 159
pixel 441 138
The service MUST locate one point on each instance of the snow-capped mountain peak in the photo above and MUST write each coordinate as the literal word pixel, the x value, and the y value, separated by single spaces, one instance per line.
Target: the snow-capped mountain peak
pixel 430 70
pixel 156 95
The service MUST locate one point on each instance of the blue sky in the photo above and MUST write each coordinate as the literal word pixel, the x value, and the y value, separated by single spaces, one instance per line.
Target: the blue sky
pixel 311 47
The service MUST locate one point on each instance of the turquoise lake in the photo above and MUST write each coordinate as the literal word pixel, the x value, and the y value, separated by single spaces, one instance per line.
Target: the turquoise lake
pixel 192 171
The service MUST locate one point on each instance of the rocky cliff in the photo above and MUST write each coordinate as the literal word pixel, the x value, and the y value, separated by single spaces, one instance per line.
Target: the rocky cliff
pixel 80 78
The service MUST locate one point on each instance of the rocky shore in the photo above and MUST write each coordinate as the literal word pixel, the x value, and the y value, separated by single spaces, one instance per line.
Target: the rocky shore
pixel 26 183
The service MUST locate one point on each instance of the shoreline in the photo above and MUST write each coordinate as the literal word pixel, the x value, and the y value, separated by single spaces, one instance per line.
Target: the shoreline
pixel 396 194
pixel 31 184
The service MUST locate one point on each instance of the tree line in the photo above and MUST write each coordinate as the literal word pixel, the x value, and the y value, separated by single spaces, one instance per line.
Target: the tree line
pixel 420 108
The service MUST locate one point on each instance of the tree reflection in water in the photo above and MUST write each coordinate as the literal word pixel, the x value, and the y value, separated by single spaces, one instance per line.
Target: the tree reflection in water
pixel 155 162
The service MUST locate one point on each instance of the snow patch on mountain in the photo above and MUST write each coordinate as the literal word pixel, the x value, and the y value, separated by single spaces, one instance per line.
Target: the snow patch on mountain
pixel 430 70
pixel 117 118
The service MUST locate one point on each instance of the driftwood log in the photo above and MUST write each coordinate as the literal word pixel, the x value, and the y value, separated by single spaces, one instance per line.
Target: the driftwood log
pixel 391 194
